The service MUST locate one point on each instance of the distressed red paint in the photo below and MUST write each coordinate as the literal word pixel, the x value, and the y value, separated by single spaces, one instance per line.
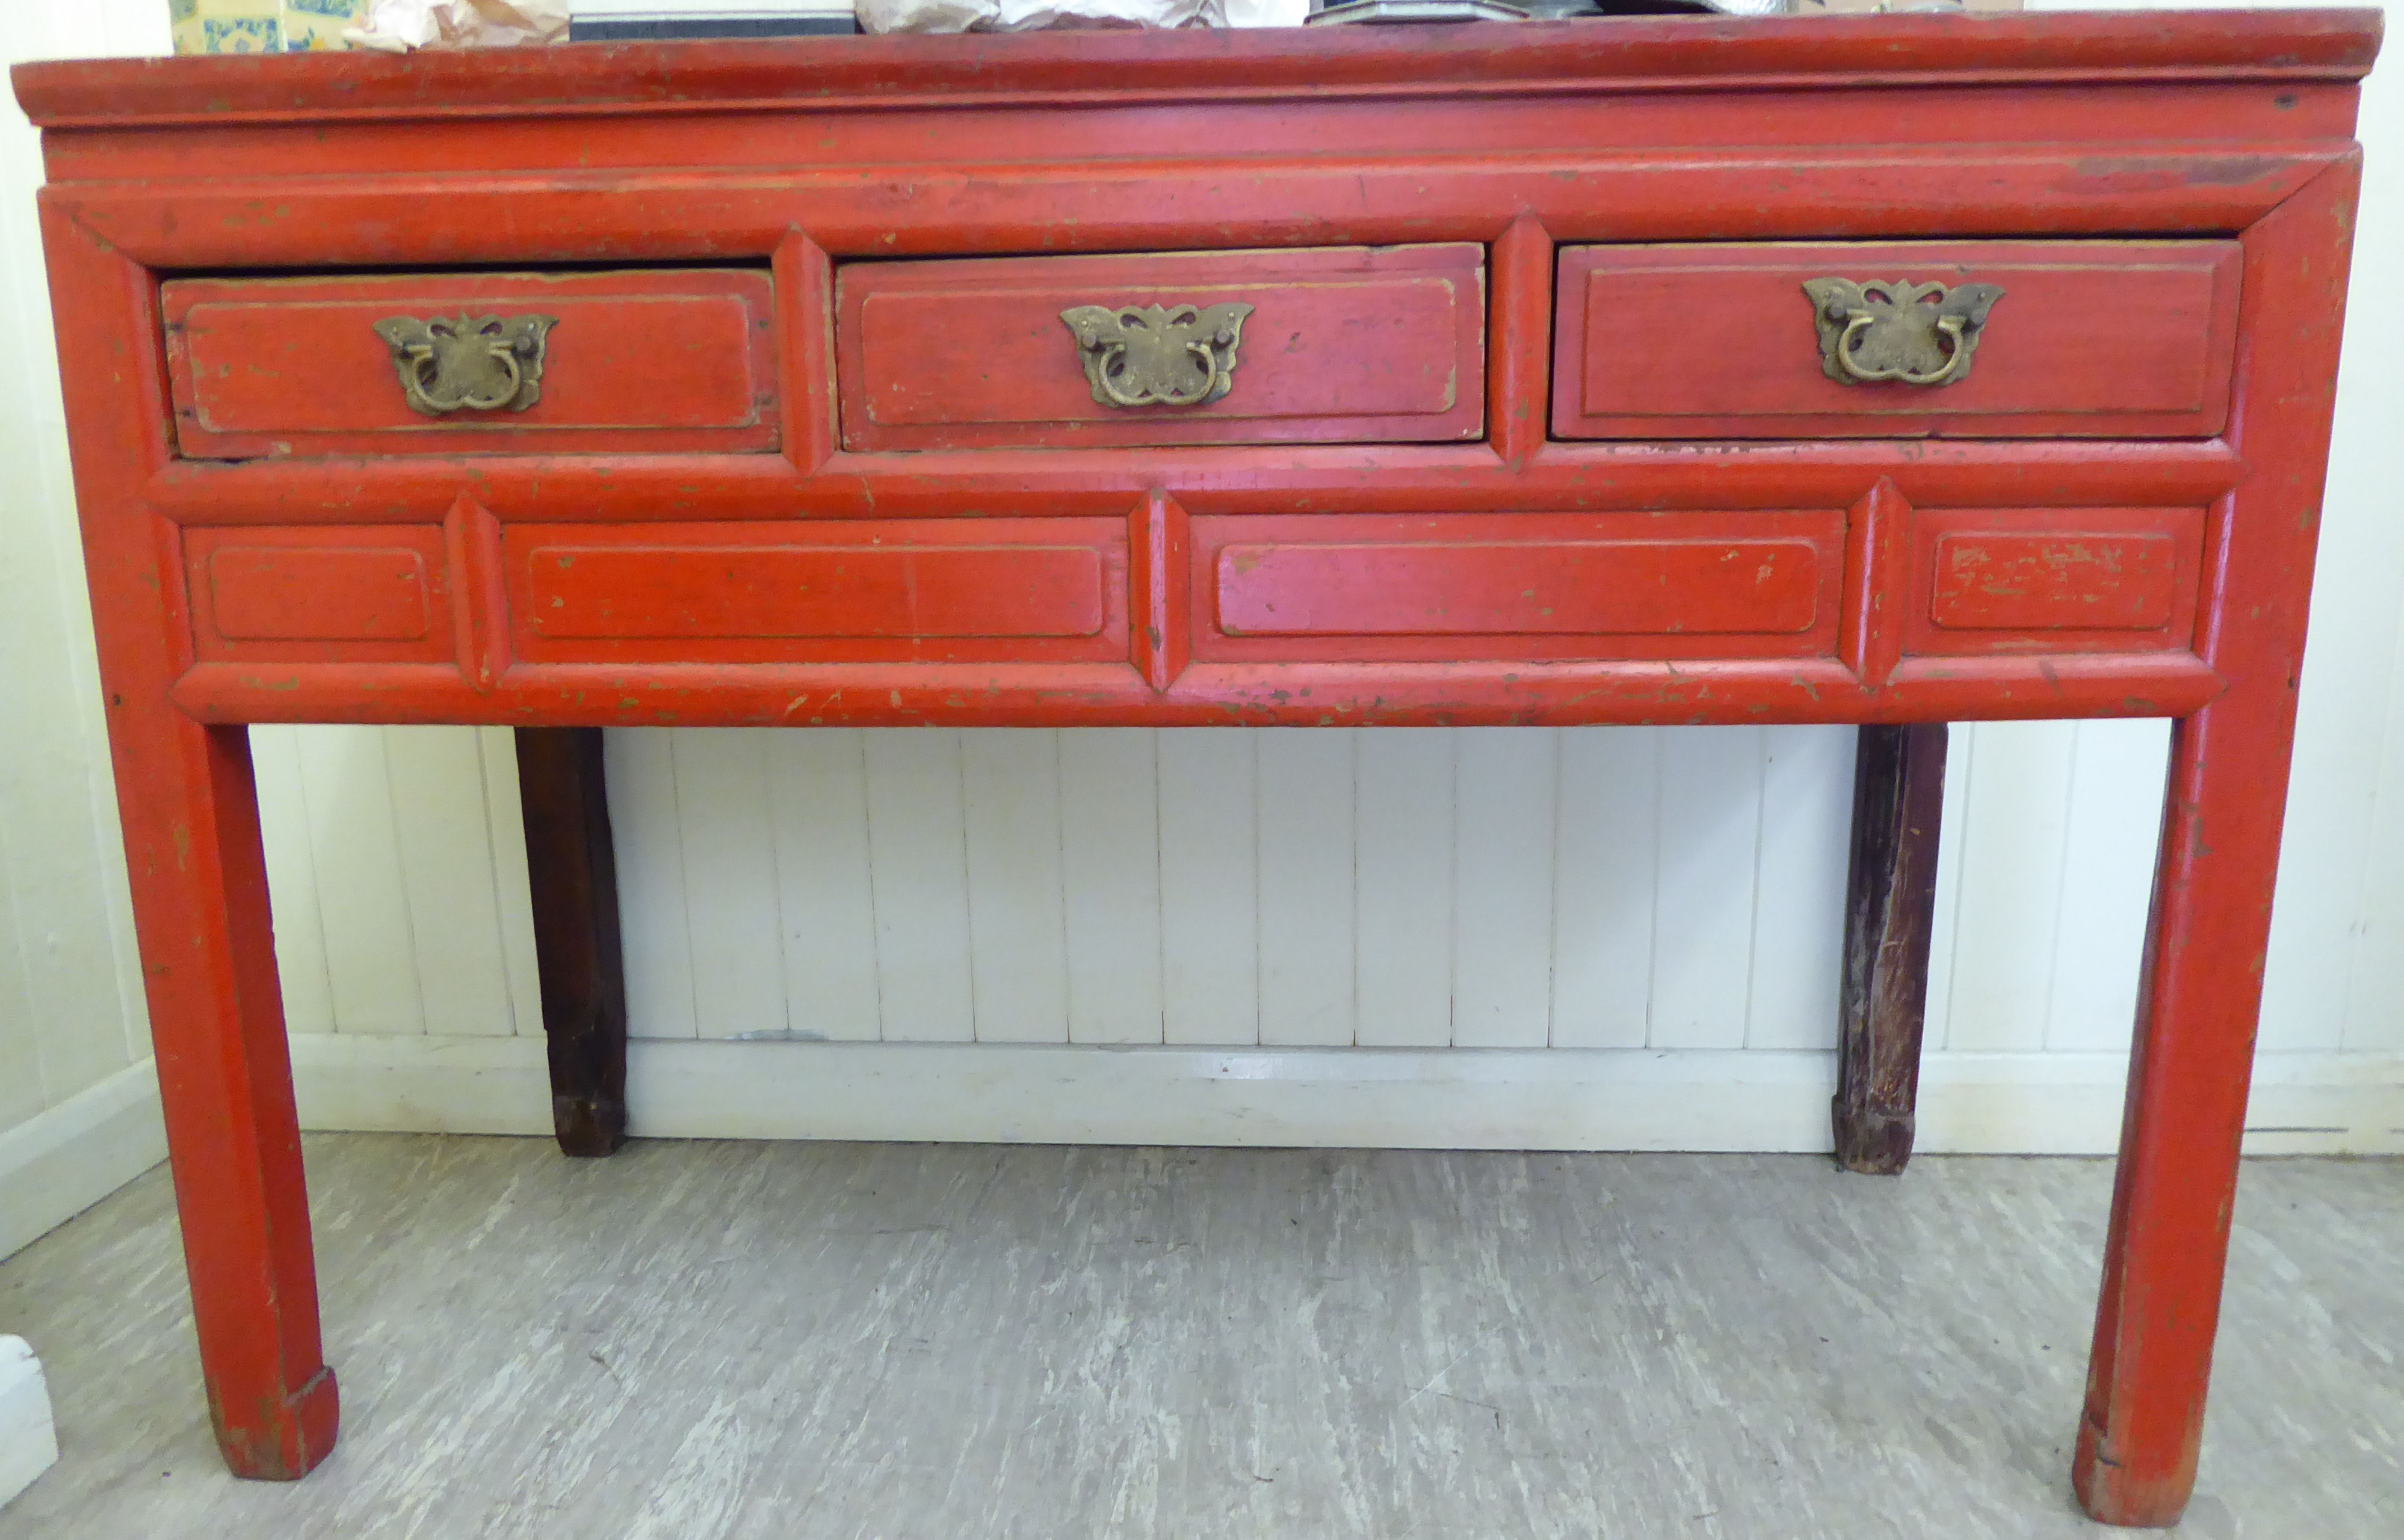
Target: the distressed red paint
pixel 1018 567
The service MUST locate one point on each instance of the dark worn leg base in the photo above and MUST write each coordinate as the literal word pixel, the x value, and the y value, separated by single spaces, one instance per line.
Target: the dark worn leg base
pixel 587 1125
pixel 573 870
pixel 1872 1141
pixel 286 1441
pixel 2111 1494
pixel 1890 909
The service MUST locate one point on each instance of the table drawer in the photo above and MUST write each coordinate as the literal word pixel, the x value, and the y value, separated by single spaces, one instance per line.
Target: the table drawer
pixel 837 591
pixel 293 594
pixel 1989 339
pixel 1327 345
pixel 669 360
pixel 1989 581
pixel 1539 586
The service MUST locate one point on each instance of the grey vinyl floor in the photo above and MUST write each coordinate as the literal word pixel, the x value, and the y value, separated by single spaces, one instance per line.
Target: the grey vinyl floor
pixel 698 1341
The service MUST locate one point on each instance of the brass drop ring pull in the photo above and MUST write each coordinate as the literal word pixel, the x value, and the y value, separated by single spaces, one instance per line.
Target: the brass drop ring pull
pixel 1879 331
pixel 468 363
pixel 1157 355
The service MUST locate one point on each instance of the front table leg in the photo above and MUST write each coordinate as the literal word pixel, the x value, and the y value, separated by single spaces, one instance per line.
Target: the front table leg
pixel 2177 1176
pixel 225 1075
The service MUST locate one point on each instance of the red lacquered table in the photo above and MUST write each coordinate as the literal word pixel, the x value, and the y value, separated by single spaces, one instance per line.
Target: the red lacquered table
pixel 1885 370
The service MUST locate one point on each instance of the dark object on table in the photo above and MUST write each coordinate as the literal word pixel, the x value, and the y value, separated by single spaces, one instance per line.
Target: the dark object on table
pixel 1389 11
pixel 1585 10
pixel 1497 11
pixel 613 29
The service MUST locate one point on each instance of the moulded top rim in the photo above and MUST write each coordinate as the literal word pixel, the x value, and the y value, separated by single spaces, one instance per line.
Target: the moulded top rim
pixel 1107 67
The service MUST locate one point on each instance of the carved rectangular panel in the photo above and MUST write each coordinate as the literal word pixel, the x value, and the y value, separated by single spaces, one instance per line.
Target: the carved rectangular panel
pixel 377 593
pixel 2068 582
pixel 1997 580
pixel 1594 587
pixel 1341 343
pixel 262 593
pixel 2089 339
pixel 834 591
pixel 1702 585
pixel 676 359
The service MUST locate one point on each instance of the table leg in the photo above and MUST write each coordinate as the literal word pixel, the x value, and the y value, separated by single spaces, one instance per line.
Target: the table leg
pixel 2187 1080
pixel 1890 905
pixel 225 1076
pixel 573 870
pixel 189 815
pixel 2200 991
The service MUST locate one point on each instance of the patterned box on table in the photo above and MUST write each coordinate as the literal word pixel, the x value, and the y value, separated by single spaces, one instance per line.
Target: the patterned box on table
pixel 262 26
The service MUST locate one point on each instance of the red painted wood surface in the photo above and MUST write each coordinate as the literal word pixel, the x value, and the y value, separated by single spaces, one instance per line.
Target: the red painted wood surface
pixel 1521 588
pixel 1008 589
pixel 1385 691
pixel 1469 478
pixel 317 594
pixel 1098 197
pixel 191 819
pixel 1160 537
pixel 981 569
pixel 2202 985
pixel 1343 344
pixel 592 83
pixel 2068 582
pixel 266 593
pixel 2093 337
pixel 752 592
pixel 1533 586
pixel 639 360
pixel 2064 581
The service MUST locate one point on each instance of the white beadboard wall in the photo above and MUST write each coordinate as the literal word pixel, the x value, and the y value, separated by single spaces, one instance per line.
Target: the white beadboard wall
pixel 1589 936
pixel 79 1106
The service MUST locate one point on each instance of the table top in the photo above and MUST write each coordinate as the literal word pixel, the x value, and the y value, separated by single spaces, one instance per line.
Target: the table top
pixel 1628 54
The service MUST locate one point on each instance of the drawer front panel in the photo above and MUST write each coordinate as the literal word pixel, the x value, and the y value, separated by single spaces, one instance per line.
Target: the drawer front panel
pixel 1685 585
pixel 1002 589
pixel 2029 580
pixel 638 361
pixel 301 595
pixel 1338 344
pixel 2131 339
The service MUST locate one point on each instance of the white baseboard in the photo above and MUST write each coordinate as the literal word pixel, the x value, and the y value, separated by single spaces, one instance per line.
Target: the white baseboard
pixel 1478 1099
pixel 29 1440
pixel 421 1085
pixel 57 1163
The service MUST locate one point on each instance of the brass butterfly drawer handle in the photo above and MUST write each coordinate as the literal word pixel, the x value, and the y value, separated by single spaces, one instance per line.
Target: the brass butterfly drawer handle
pixel 1878 330
pixel 1158 355
pixel 468 363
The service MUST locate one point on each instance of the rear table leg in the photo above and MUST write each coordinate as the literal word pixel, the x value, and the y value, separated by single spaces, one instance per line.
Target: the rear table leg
pixel 1890 902
pixel 574 875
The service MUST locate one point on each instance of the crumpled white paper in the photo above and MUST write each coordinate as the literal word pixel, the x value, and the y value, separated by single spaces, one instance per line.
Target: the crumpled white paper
pixel 397 26
pixel 1035 15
